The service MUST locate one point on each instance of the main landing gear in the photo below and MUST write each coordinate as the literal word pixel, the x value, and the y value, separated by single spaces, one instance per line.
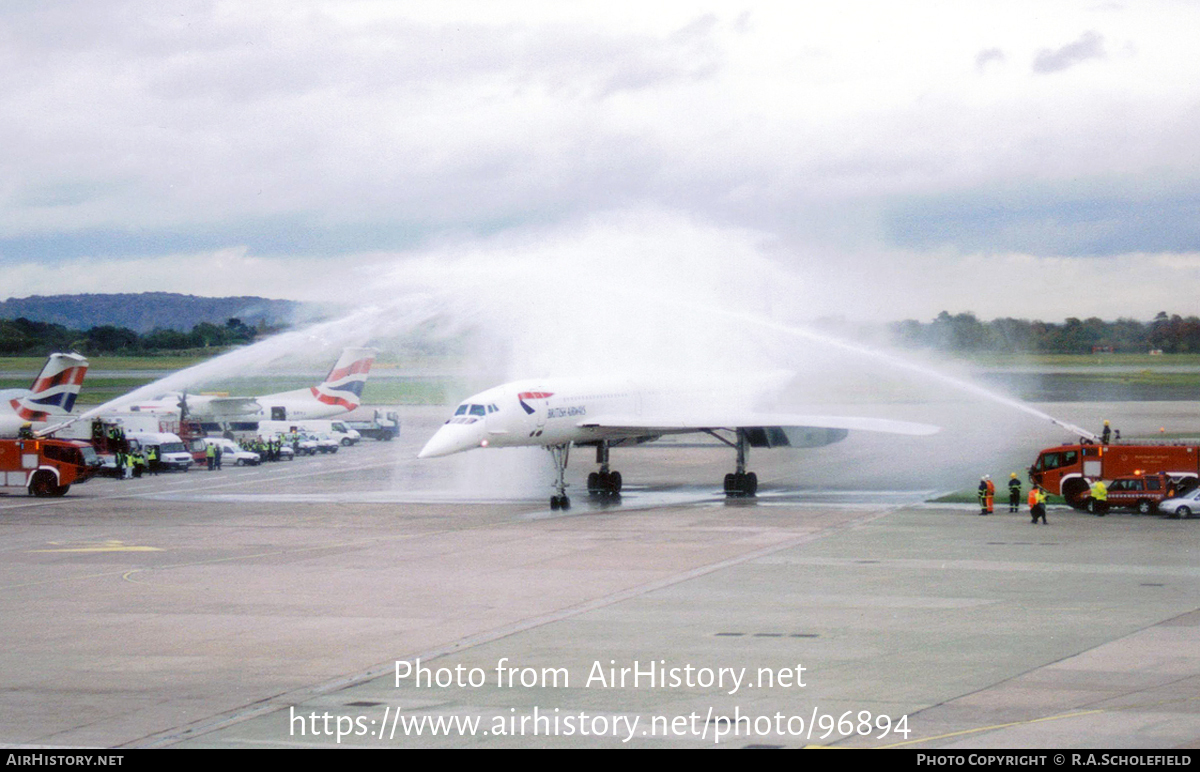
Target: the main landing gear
pixel 603 483
pixel 740 483
pixel 561 453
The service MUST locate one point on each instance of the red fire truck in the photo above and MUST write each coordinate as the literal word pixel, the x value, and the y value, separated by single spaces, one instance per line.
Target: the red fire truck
pixel 1068 470
pixel 45 467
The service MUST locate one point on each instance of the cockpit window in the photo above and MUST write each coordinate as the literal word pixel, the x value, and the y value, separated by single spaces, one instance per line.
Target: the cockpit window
pixel 478 410
pixel 462 410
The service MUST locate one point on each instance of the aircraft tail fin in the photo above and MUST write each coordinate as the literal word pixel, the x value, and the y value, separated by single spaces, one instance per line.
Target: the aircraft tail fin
pixel 344 384
pixel 54 390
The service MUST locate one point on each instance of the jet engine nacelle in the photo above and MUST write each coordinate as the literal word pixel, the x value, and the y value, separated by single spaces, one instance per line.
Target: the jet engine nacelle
pixel 793 436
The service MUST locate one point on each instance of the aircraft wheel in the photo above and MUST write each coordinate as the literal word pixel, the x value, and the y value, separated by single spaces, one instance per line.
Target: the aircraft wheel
pixel 554 503
pixel 593 482
pixel 750 486
pixel 729 482
pixel 565 503
pixel 614 483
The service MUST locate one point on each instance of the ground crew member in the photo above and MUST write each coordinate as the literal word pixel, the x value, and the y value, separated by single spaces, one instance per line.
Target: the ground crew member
pixel 1099 503
pixel 25 432
pixel 139 463
pixel 217 456
pixel 1037 504
pixel 991 493
pixel 210 455
pixel 983 495
pixel 1014 493
pixel 152 459
pixel 1105 434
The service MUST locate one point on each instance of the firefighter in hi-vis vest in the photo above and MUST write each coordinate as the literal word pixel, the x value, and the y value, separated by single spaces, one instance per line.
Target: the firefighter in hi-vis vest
pixel 1037 504
pixel 1099 503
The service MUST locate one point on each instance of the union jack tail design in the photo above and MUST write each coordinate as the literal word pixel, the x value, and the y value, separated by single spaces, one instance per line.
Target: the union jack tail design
pixel 54 390
pixel 344 384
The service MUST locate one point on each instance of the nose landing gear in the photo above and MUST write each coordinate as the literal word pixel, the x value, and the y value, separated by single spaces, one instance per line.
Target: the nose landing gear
pixel 561 454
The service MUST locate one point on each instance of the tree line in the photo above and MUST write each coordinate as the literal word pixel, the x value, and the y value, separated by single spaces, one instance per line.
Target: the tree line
pixel 959 333
pixel 1171 334
pixel 23 337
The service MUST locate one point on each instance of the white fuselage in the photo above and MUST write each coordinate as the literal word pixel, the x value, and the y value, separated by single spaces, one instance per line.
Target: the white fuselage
pixel 296 405
pixel 533 412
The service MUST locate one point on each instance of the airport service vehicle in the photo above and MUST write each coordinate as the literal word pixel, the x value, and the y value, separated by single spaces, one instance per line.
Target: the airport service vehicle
pixel 1181 506
pixel 286 452
pixel 1144 492
pixel 602 413
pixel 304 444
pixel 326 443
pixel 383 426
pixel 48 401
pixel 231 453
pixel 339 430
pixel 172 453
pixel 45 467
pixel 1068 470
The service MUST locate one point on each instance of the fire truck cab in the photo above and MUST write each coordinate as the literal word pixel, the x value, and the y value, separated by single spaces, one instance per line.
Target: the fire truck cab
pixel 43 467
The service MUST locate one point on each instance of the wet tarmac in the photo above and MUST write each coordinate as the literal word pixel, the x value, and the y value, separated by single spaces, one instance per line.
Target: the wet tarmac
pixel 268 607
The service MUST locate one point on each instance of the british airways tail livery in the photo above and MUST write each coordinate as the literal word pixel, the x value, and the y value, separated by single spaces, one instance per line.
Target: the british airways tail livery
pixel 341 391
pixel 343 387
pixel 556 414
pixel 51 397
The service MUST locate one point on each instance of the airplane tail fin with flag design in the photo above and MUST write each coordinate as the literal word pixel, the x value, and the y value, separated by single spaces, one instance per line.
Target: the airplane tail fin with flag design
pixel 54 390
pixel 344 384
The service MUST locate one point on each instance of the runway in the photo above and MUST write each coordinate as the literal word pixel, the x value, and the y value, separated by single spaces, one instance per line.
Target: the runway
pixel 268 607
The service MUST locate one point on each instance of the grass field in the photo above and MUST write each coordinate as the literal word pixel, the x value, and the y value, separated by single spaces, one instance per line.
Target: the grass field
pixel 1148 361
pixel 108 379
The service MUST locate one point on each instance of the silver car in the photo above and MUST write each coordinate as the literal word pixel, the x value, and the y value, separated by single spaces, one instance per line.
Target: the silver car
pixel 1181 506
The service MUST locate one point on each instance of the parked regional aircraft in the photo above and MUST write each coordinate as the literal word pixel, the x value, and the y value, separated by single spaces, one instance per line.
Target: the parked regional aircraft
pixel 50 398
pixel 556 414
pixel 340 392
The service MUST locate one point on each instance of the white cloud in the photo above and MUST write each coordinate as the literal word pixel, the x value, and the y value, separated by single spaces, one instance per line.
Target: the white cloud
pixel 339 129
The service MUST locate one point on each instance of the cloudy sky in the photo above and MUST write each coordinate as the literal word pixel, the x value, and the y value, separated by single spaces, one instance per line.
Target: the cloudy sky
pixel 1033 159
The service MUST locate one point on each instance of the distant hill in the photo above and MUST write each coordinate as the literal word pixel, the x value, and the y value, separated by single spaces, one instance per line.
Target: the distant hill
pixel 146 311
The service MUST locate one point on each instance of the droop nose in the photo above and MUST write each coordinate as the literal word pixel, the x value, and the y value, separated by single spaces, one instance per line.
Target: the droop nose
pixel 453 438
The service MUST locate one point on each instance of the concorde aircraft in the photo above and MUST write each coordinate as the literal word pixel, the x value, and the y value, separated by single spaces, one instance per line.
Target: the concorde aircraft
pixel 340 392
pixel 49 399
pixel 558 413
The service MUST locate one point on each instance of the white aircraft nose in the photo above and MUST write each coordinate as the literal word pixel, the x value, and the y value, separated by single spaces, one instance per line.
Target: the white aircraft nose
pixel 453 438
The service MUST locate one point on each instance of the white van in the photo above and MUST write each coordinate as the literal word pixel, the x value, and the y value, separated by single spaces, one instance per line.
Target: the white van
pixel 172 453
pixel 336 429
pixel 232 453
